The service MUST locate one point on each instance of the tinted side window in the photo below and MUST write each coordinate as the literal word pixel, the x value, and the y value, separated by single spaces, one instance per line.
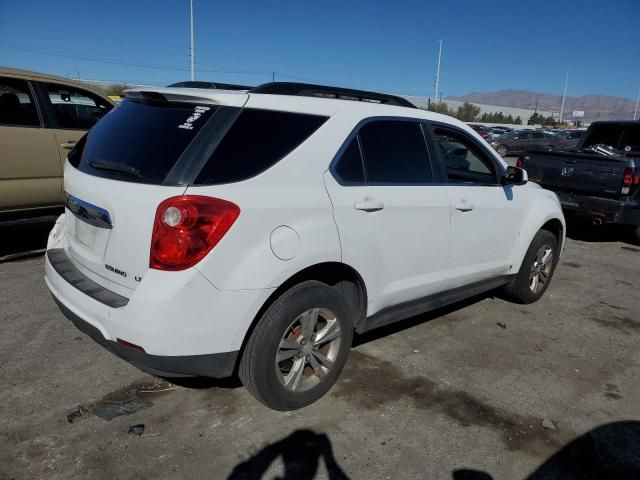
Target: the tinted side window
pixel 464 160
pixel 257 140
pixel 16 104
pixel 395 152
pixel 539 135
pixel 349 167
pixel 522 136
pixel 74 108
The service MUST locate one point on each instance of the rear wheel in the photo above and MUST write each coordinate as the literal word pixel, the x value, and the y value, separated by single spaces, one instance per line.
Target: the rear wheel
pixel 298 348
pixel 536 270
pixel 502 150
pixel 635 234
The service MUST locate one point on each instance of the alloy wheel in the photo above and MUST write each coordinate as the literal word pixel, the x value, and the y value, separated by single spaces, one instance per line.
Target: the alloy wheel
pixel 308 349
pixel 541 269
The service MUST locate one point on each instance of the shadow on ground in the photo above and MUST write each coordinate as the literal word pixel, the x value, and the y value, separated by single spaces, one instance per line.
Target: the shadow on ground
pixel 610 452
pixel 300 452
pixel 23 238
pixel 583 230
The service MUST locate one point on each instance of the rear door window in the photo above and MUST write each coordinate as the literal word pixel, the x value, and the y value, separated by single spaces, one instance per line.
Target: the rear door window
pixel 395 152
pixel 256 141
pixel 74 108
pixel 140 141
pixel 349 167
pixel 17 107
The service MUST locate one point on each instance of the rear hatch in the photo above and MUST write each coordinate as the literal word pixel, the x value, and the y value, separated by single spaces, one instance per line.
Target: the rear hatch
pixel 141 153
pixel 585 173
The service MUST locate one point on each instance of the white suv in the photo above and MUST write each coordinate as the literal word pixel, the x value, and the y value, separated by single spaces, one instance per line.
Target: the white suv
pixel 212 232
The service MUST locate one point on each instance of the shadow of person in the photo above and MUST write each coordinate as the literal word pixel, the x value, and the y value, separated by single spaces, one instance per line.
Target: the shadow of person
pixel 301 453
pixel 609 452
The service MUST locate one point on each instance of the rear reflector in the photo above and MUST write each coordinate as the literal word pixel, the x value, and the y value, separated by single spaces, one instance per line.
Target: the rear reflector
pixel 520 161
pixel 630 177
pixel 132 346
pixel 186 228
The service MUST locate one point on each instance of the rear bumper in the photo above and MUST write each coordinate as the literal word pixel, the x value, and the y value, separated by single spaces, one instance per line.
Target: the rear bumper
pixel 608 210
pixel 216 365
pixel 185 325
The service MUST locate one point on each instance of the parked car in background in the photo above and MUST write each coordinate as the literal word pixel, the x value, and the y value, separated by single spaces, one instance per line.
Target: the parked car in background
pixel 518 141
pixel 500 130
pixel 495 132
pixel 41 119
pixel 599 179
pixel 209 231
pixel 571 138
pixel 481 129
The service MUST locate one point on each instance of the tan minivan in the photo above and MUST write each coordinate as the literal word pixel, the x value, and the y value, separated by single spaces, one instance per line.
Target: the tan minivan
pixel 41 118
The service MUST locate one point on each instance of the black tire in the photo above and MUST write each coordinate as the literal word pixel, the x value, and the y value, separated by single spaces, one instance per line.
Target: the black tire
pixel 520 288
pixel 502 150
pixel 258 370
pixel 635 234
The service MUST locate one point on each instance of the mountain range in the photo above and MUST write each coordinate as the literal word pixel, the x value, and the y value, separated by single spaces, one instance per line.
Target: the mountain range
pixel 595 107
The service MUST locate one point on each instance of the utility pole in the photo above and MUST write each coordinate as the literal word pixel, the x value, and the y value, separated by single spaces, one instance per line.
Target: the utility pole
pixel 635 113
pixel 273 77
pixel 193 53
pixel 566 82
pixel 438 72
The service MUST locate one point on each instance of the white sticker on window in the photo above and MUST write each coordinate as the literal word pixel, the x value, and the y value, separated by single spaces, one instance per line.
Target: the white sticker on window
pixel 197 113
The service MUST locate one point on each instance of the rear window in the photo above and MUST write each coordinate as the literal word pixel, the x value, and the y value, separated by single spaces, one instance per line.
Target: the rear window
pixel 257 140
pixel 622 137
pixel 139 141
pixel 143 142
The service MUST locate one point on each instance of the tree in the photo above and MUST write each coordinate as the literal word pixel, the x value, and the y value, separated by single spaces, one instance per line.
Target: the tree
pixel 441 107
pixel 115 89
pixel 518 120
pixel 467 112
pixel 536 119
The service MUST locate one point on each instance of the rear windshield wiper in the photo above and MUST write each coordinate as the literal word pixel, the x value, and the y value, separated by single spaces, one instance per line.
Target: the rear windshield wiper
pixel 115 167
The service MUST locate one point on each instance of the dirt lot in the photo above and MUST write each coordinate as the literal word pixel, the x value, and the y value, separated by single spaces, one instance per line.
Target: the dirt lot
pixel 459 394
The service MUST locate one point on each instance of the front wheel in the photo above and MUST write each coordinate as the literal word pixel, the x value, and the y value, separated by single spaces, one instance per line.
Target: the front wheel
pixel 536 270
pixel 502 150
pixel 298 348
pixel 635 234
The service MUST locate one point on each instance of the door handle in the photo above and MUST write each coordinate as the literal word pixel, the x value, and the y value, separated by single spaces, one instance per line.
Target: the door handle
pixel 68 144
pixel 368 205
pixel 464 206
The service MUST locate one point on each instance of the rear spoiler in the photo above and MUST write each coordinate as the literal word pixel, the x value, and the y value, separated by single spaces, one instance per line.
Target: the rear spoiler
pixel 187 95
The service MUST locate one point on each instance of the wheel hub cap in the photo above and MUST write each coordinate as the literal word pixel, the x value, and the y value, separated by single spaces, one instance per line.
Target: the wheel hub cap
pixel 308 349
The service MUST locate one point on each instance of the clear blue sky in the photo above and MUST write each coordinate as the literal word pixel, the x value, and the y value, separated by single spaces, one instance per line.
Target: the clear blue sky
pixel 387 45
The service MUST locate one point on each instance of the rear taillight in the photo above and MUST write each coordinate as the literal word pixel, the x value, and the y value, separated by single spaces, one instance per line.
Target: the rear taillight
pixel 630 179
pixel 520 161
pixel 186 228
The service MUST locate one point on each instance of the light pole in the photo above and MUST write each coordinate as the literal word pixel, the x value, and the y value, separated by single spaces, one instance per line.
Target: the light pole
pixel 635 113
pixel 193 53
pixel 566 82
pixel 438 71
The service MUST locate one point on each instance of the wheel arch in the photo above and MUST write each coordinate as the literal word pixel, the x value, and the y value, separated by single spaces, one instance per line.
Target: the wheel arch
pixel 555 226
pixel 338 275
pixel 552 223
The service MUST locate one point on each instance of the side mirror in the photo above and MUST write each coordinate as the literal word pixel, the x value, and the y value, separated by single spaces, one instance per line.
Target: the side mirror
pixel 515 176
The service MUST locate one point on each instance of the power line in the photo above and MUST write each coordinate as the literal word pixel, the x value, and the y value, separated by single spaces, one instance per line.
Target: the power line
pixel 250 63
pixel 115 62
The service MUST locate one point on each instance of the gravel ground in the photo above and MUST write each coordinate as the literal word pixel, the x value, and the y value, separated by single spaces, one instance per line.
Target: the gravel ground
pixel 461 393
